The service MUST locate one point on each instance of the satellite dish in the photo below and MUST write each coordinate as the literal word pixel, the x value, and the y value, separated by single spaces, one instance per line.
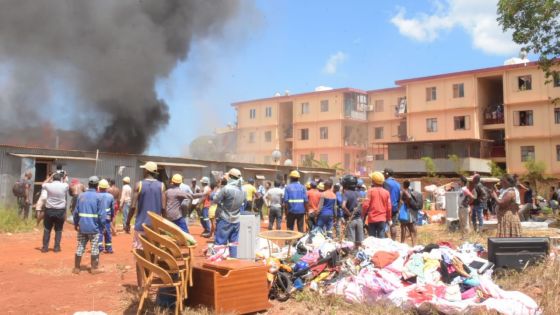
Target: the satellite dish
pixel 288 162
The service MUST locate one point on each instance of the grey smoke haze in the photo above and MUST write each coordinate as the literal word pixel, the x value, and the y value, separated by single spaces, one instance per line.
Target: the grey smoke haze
pixel 109 53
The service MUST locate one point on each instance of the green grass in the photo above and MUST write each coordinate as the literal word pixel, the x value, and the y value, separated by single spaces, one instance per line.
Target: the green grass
pixel 10 222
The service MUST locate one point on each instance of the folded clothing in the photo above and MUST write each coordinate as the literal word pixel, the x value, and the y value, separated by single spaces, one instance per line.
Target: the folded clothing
pixel 382 259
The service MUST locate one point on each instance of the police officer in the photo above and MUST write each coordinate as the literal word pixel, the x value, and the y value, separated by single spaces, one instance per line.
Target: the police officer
pixel 295 201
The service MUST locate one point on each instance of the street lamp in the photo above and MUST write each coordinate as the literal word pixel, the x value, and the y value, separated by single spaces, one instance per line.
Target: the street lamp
pixel 276 155
pixel 288 162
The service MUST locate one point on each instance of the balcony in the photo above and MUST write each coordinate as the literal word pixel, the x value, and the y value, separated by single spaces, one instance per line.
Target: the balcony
pixel 288 132
pixel 497 151
pixel 493 121
pixel 357 115
pixel 443 166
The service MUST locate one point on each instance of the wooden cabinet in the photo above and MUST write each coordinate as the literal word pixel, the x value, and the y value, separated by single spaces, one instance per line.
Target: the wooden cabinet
pixel 232 286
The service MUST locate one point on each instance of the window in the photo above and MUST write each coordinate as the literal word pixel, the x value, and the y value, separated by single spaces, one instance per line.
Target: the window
pixel 557 115
pixel 527 153
pixel 324 133
pixel 251 137
pixel 524 83
pixel 556 79
pixel 252 113
pixel 458 90
pixel 305 134
pixel 268 136
pixel 431 124
pixel 523 118
pixel 462 122
pixel 380 157
pixel 557 152
pixel 268 112
pixel 324 158
pixel 378 106
pixel 305 108
pixel 324 105
pixel 379 133
pixel 431 94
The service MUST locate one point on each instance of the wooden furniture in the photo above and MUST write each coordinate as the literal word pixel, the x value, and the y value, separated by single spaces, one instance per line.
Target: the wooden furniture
pixel 154 276
pixel 231 286
pixel 166 243
pixel 186 242
pixel 166 261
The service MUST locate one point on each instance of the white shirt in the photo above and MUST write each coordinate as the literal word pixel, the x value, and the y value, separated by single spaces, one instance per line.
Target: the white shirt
pixel 126 194
pixel 56 195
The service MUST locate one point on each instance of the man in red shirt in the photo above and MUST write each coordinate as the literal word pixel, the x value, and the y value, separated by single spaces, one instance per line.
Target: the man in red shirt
pixel 314 197
pixel 378 207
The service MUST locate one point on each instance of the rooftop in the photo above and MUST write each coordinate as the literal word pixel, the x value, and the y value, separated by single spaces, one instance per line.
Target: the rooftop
pixel 287 97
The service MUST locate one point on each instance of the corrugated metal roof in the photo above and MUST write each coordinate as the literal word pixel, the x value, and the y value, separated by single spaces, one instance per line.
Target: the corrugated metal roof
pixel 56 157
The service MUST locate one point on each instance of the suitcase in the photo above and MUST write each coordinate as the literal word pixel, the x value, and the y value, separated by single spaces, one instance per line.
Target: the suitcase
pixel 231 286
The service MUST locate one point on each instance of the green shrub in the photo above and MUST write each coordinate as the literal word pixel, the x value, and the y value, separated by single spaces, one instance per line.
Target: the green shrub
pixel 10 222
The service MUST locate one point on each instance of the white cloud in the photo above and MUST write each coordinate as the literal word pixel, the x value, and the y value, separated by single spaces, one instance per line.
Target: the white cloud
pixel 476 17
pixel 333 62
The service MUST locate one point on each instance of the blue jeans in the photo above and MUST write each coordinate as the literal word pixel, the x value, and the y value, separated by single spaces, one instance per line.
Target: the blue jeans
pixel 107 237
pixel 182 223
pixel 125 208
pixel 227 234
pixel 477 213
pixel 325 222
pixel 376 229
pixel 205 220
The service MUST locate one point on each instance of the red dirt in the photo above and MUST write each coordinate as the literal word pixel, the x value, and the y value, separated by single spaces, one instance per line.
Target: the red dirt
pixel 43 283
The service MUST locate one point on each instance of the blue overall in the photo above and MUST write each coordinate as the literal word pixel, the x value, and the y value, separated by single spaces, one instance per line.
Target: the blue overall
pixel 108 205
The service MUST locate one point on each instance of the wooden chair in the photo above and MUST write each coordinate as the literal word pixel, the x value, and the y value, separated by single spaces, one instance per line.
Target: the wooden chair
pixel 166 261
pixel 173 249
pixel 163 226
pixel 154 276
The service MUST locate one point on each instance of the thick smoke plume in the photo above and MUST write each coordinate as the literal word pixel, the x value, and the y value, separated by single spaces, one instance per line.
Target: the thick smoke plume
pixel 107 53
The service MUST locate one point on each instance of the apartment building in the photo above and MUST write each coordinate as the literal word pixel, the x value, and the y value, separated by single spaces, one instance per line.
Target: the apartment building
pixel 329 125
pixel 503 114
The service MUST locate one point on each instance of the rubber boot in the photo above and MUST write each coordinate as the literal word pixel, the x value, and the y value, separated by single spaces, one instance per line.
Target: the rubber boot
pixel 95 265
pixel 46 240
pixel 57 238
pixel 77 262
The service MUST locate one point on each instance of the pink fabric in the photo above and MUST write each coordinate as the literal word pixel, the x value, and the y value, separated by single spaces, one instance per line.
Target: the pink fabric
pixel 311 258
pixel 470 293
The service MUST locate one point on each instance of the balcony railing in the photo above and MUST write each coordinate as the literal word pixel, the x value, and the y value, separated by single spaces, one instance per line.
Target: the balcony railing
pixel 497 151
pixel 358 115
pixel 493 121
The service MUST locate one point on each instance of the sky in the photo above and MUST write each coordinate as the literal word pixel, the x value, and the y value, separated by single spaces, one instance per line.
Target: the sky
pixel 300 45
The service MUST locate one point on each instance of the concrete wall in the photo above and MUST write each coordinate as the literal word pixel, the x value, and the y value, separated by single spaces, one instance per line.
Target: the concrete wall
pixel 442 165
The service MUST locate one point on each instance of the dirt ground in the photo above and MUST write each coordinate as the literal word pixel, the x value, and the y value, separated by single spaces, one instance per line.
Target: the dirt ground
pixel 38 283
pixel 43 283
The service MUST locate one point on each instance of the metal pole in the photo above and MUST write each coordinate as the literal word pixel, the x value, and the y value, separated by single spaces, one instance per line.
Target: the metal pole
pixel 96 158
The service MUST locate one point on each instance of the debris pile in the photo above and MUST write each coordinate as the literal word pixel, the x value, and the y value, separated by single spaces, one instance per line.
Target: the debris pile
pixel 435 276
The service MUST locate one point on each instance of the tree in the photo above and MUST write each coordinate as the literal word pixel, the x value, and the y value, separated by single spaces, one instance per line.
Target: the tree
pixel 495 169
pixel 324 164
pixel 535 171
pixel 536 27
pixel 308 160
pixel 457 164
pixel 430 166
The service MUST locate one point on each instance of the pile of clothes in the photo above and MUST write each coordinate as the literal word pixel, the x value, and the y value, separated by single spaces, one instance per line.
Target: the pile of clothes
pixel 435 276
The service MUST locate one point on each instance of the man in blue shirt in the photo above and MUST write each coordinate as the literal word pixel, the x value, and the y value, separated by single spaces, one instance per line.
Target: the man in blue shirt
pixel 295 201
pixel 88 222
pixel 394 189
pixel 108 204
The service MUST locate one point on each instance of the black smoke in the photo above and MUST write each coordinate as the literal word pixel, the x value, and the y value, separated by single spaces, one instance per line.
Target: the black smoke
pixel 109 53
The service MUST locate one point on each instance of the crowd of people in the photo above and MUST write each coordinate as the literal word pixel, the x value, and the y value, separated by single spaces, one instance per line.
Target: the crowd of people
pixel 346 209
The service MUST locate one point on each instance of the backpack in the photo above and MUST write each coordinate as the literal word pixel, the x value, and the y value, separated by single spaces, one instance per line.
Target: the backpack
pixel 416 201
pixel 19 188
